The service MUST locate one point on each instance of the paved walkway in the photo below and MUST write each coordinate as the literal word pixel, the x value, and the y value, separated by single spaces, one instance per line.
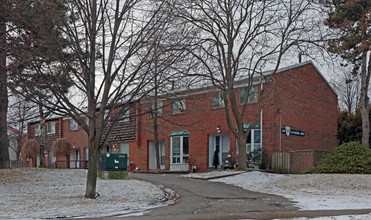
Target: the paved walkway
pixel 201 199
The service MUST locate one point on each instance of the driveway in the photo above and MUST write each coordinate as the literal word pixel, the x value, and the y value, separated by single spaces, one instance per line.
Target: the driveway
pixel 200 199
pixel 205 197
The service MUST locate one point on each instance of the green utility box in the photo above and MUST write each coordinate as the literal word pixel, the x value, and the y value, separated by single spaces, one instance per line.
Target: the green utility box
pixel 113 162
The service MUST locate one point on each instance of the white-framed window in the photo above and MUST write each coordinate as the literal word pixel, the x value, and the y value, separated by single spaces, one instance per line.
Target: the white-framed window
pixel 217 100
pixel 179 149
pixel 37 130
pixel 125 116
pixel 157 111
pixel 178 106
pixel 106 113
pixel 51 127
pixel 73 125
pixel 251 96
pixel 253 141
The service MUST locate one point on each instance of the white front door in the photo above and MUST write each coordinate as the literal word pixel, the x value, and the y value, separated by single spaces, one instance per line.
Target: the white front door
pixel 124 149
pixel 219 143
pixel 152 155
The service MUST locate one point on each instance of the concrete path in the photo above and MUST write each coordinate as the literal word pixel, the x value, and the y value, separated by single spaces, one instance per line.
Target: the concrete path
pixel 200 199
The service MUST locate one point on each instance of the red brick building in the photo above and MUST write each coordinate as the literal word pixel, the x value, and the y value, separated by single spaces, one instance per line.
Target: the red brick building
pixel 299 116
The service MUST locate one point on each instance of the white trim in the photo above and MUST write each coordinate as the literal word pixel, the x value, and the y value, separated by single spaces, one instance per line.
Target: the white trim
pixel 47 127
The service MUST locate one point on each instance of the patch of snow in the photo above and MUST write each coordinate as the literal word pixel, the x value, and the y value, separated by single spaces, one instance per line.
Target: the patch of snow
pixel 59 193
pixel 341 217
pixel 310 191
pixel 212 174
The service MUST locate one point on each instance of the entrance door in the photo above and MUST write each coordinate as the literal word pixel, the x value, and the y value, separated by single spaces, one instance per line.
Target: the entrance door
pixel 152 155
pixel 219 143
pixel 75 159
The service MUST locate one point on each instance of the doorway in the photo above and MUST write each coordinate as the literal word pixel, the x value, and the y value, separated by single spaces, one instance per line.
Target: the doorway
pixel 75 159
pixel 219 143
pixel 152 155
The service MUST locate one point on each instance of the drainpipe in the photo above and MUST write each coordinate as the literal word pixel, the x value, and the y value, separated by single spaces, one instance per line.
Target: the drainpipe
pixel 261 128
pixel 261 119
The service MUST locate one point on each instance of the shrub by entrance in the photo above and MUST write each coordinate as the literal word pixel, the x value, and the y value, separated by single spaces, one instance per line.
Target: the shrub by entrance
pixel 351 157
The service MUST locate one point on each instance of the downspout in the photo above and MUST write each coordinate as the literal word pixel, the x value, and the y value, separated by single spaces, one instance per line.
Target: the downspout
pixel 261 120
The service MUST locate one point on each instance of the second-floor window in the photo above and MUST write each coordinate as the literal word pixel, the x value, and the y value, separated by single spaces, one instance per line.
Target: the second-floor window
pixel 217 100
pixel 125 116
pixel 106 114
pixel 157 110
pixel 37 130
pixel 178 106
pixel 73 125
pixel 51 127
pixel 249 96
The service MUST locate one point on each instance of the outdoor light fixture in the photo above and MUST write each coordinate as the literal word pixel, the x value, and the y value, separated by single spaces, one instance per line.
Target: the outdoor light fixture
pixel 218 129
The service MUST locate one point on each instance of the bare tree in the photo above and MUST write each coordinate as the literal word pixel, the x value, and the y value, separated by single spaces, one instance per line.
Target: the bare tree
pixel 20 111
pixel 240 40
pixel 168 63
pixel 347 86
pixel 100 72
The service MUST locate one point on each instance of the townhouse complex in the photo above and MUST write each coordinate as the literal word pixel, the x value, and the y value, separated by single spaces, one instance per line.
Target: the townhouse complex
pixel 299 116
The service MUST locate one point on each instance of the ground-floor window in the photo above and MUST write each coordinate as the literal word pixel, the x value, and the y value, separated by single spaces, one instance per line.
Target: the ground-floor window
pixel 253 141
pixel 179 149
pixel 124 149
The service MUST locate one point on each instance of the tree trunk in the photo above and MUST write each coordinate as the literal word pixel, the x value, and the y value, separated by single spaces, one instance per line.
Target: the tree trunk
pixel 91 180
pixel 155 122
pixel 364 101
pixel 4 150
pixel 43 133
pixel 242 163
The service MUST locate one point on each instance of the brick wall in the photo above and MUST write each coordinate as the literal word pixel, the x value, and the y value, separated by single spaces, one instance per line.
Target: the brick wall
pixel 308 104
pixel 304 159
pixel 306 100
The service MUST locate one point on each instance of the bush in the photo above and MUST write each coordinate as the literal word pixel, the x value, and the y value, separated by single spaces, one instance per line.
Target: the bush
pixel 351 157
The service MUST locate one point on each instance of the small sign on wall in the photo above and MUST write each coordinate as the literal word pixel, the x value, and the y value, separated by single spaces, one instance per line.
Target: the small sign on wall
pixel 288 131
pixel 115 148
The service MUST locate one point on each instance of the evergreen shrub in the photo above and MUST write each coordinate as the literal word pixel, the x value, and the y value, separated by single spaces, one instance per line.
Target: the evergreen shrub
pixel 350 157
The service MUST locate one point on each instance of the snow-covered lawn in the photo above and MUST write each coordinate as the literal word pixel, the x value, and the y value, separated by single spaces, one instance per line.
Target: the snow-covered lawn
pixel 310 191
pixel 45 193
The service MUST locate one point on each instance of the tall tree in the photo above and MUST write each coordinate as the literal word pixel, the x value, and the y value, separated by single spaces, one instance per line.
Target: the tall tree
pixel 4 150
pixel 240 39
pixel 101 69
pixel 21 38
pixel 168 63
pixel 347 86
pixel 351 20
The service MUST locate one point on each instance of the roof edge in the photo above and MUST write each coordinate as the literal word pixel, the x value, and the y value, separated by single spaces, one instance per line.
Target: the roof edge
pixel 303 64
